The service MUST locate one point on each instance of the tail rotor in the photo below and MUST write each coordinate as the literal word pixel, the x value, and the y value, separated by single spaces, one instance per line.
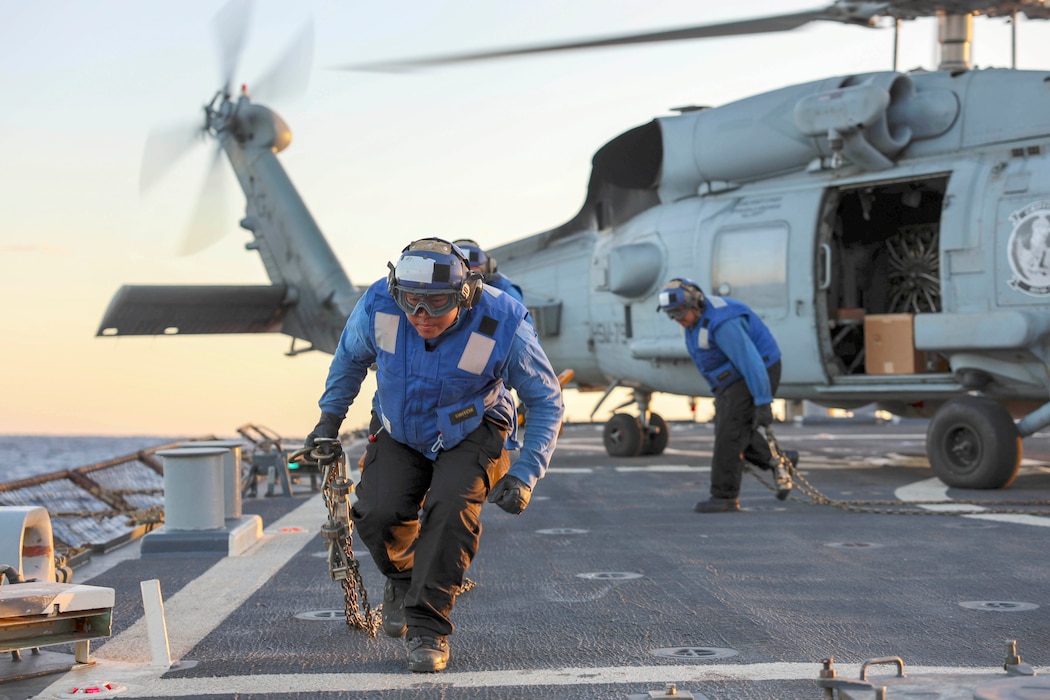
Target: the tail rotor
pixel 288 76
pixel 165 147
pixel 231 28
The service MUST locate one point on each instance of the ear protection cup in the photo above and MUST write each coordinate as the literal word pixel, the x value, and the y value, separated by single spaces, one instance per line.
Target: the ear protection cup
pixel 474 289
pixel 685 289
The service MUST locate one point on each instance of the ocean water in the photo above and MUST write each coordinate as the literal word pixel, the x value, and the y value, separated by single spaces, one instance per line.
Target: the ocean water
pixel 22 456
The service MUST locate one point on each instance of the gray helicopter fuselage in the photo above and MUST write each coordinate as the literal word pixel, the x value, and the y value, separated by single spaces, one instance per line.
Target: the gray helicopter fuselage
pixel 893 231
pixel 787 201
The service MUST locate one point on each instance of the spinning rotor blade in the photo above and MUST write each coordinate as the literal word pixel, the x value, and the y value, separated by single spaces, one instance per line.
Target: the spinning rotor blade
pixel 209 222
pixel 288 76
pixel 231 25
pixel 290 73
pixel 164 148
pixel 862 13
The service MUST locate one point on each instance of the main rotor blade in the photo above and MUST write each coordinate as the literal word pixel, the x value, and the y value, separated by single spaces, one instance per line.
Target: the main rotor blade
pixel 164 148
pixel 231 26
pixel 289 75
pixel 208 223
pixel 856 13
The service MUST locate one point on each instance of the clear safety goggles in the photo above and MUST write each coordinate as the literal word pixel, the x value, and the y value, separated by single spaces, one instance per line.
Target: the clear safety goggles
pixel 434 303
pixel 679 312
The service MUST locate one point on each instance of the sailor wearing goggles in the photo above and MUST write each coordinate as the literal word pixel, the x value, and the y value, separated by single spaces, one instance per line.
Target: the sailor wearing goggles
pixel 448 349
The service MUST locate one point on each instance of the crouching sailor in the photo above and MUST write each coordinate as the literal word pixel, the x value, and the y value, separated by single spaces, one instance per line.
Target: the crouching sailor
pixel 447 351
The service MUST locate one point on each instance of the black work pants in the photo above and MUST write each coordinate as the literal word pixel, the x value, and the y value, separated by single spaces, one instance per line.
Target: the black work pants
pixel 421 519
pixel 736 438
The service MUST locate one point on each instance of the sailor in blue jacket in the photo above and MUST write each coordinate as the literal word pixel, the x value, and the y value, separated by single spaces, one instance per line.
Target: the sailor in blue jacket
pixel 447 351
pixel 482 262
pixel 740 360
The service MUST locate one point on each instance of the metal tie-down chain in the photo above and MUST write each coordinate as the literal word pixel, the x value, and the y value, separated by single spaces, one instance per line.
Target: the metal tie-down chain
pixel 801 485
pixel 338 534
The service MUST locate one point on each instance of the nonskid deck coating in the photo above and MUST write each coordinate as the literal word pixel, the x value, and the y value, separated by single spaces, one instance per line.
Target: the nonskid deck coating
pixel 784 585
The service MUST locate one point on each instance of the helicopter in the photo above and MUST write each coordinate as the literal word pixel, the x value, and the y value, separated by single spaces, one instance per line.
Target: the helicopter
pixel 887 226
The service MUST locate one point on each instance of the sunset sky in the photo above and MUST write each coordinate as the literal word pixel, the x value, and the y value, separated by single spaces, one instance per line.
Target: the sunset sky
pixel 491 151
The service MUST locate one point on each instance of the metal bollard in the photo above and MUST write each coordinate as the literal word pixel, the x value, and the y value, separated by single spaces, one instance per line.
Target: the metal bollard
pixel 231 473
pixel 193 488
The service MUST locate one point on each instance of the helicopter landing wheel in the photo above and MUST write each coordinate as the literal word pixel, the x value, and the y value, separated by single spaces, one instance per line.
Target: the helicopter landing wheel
pixel 623 436
pixel 656 436
pixel 972 443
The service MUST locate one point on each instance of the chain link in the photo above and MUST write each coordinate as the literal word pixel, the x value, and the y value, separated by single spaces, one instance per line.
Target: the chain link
pixel 803 486
pixel 338 534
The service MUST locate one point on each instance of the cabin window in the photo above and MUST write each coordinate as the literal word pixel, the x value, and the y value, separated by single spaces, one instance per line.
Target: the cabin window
pixel 750 264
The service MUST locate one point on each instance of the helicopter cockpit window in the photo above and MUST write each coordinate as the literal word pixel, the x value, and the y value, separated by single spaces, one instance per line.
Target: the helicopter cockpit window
pixel 750 264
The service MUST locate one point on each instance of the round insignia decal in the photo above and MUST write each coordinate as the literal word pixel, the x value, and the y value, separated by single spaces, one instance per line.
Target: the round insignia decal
pixel 1029 249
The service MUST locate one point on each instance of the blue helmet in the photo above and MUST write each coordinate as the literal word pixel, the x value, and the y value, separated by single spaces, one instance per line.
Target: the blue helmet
pixel 679 296
pixel 476 257
pixel 434 275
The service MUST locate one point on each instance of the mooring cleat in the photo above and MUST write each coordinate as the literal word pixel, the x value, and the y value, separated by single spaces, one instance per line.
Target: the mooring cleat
pixel 427 654
pixel 783 473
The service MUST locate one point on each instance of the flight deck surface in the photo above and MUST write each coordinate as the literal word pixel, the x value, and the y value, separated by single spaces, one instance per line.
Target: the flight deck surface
pixel 610 586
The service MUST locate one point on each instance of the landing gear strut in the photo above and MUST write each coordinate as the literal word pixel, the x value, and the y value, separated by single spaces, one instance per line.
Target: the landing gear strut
pixel 628 436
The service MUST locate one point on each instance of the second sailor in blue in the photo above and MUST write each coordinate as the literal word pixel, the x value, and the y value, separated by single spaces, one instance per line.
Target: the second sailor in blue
pixel 740 360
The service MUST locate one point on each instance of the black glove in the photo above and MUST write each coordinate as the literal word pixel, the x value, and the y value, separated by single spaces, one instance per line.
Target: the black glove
pixel 327 427
pixel 764 415
pixel 511 494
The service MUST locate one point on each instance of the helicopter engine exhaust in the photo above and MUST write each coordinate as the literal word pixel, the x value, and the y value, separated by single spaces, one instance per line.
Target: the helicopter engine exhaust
pixel 865 120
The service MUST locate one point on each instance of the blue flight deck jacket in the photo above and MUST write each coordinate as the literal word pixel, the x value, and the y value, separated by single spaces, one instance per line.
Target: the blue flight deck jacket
pixel 499 281
pixel 431 399
pixel 730 342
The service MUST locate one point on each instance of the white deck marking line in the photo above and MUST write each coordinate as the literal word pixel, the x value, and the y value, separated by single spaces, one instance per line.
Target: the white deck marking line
pixel 671 468
pixel 895 437
pixel 936 490
pixel 692 453
pixel 577 447
pixel 206 601
pixel 144 686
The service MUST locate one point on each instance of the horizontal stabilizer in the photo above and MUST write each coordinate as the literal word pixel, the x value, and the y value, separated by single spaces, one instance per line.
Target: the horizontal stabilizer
pixel 205 309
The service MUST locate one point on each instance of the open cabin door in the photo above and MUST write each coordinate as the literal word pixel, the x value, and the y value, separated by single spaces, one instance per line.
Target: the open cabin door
pixel 878 266
pixel 763 254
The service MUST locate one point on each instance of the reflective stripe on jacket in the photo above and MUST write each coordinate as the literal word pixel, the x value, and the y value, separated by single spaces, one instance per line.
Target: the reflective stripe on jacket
pixel 430 399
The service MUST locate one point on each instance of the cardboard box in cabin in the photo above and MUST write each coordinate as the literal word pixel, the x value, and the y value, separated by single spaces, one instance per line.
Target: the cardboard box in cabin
pixel 889 345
